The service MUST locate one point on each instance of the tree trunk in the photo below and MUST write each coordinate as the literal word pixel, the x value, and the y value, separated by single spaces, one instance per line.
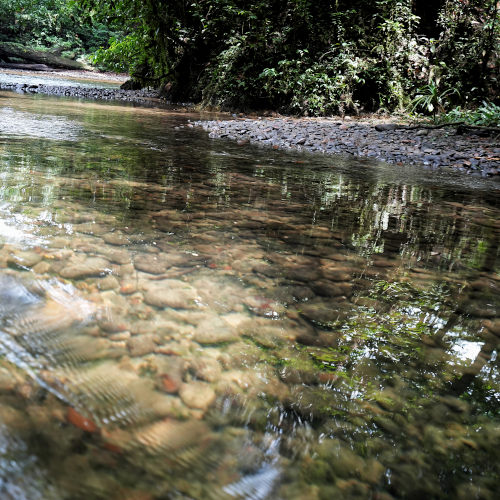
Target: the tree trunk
pixel 8 50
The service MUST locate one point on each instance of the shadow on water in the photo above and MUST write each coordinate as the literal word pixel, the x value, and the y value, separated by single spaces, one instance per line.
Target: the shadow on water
pixel 187 318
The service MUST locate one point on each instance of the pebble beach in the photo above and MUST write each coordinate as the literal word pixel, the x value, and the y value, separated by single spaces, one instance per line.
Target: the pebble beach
pixel 470 152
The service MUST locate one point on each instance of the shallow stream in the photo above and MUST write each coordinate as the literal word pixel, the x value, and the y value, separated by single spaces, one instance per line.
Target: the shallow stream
pixel 187 318
pixel 14 77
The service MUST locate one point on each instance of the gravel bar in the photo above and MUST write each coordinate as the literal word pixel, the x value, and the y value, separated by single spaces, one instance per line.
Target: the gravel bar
pixel 83 92
pixel 470 152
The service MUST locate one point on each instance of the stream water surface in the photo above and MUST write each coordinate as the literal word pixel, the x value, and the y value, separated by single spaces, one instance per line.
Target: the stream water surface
pixel 16 77
pixel 186 318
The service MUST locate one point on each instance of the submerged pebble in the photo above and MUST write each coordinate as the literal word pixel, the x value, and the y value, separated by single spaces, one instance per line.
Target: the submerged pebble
pixel 170 293
pixel 221 319
pixel 198 395
pixel 78 420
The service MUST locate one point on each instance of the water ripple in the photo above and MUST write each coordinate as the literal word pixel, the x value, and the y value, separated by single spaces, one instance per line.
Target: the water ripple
pixel 22 124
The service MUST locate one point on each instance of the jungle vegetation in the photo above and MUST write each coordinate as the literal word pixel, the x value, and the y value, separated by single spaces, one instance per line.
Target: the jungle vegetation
pixel 57 26
pixel 295 56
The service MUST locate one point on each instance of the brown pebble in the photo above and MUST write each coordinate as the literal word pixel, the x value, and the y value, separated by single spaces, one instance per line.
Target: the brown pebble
pixel 78 420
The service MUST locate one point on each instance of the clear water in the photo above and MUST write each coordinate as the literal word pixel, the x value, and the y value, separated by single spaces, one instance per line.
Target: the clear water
pixel 188 318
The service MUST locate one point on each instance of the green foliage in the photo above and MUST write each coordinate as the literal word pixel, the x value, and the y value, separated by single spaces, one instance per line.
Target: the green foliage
pixel 50 25
pixel 487 115
pixel 120 52
pixel 316 87
pixel 469 45
pixel 430 99
pixel 307 57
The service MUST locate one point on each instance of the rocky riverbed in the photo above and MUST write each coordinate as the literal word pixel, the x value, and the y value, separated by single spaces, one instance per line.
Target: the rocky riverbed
pixel 173 343
pixel 80 84
pixel 469 152
pixel 184 318
pixel 82 92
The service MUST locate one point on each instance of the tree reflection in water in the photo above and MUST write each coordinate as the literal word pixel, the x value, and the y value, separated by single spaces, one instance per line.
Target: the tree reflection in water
pixel 247 326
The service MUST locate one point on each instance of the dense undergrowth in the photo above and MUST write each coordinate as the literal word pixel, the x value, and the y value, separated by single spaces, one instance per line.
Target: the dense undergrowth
pixel 58 26
pixel 487 115
pixel 325 57
pixel 304 57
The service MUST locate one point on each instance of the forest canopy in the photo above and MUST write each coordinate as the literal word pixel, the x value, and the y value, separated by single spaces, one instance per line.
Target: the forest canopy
pixel 296 56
